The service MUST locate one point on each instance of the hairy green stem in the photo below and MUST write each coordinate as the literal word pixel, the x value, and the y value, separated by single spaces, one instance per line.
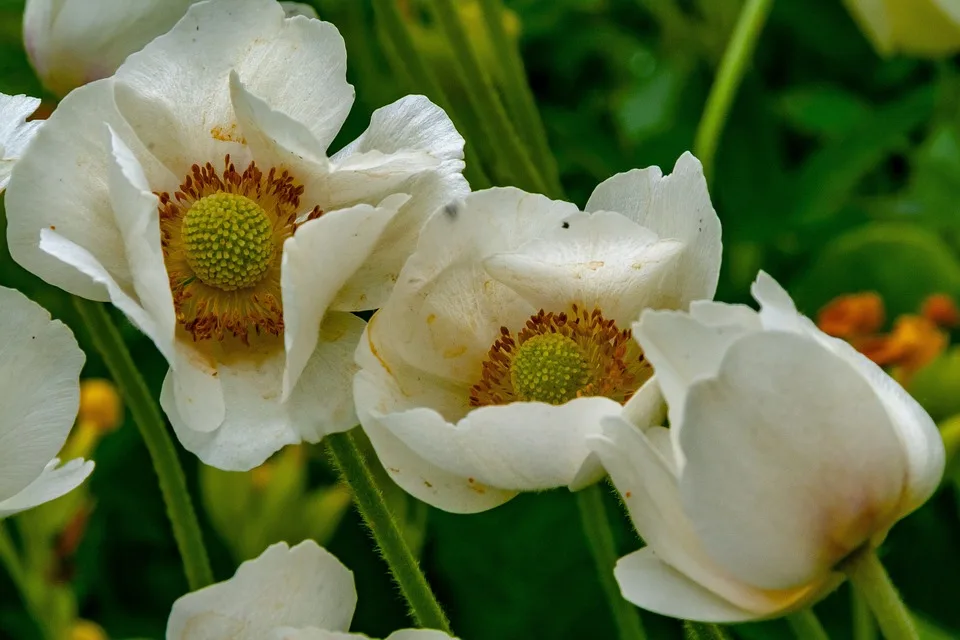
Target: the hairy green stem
pixel 704 631
pixel 596 529
pixel 10 559
pixel 871 582
pixel 372 506
pixel 864 626
pixel 806 625
pixel 729 75
pixel 153 429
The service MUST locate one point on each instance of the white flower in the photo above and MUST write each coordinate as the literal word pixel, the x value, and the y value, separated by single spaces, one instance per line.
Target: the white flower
pixel 73 42
pixel 15 131
pixel 514 306
pixel 243 271
pixel 298 593
pixel 787 451
pixel 927 28
pixel 40 366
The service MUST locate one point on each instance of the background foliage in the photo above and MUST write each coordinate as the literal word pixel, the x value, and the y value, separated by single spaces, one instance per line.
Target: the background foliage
pixel 838 171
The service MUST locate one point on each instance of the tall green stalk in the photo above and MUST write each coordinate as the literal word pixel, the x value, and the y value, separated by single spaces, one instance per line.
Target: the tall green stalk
pixel 372 506
pixel 871 582
pixel 153 429
pixel 806 625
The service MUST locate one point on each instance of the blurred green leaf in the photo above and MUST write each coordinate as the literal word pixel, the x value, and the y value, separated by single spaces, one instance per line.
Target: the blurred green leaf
pixel 936 385
pixel 827 111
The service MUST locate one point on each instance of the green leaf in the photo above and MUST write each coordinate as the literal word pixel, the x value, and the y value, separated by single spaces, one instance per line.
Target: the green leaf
pixel 822 110
pixel 935 386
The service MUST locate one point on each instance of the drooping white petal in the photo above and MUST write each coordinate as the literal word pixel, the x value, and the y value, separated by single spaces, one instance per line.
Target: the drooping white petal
pixel 40 366
pixel 429 322
pixel 284 587
pixel 317 261
pixel 257 421
pixel 674 207
pixel 15 131
pixel 54 481
pixel 297 64
pixel 47 191
pixel 792 461
pixel 603 260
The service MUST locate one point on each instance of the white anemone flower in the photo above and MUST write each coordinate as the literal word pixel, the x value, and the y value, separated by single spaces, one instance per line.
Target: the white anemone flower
pixel 40 366
pixel 15 131
pixel 287 593
pixel 194 191
pixel 73 42
pixel 507 337
pixel 787 452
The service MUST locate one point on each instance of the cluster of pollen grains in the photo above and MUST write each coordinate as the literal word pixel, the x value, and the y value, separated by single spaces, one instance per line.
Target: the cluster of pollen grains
pixel 557 357
pixel 222 233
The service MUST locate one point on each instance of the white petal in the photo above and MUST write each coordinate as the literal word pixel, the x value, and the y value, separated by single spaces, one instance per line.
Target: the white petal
pixel 653 585
pixel 317 261
pixel 524 446
pixel 674 207
pixel 291 9
pixel 61 183
pixel 603 261
pixel 293 587
pixel 257 422
pixel 312 633
pixel 15 131
pixel 792 461
pixel 182 109
pixel 378 395
pixel 72 43
pixel 40 366
pixel 446 311
pixel 418 634
pixel 53 482
pixel 721 314
pixel 647 407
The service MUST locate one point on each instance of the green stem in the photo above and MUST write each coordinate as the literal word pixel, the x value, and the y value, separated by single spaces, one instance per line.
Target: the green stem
pixel 870 580
pixel 11 562
pixel 498 130
pixel 729 75
pixel 373 508
pixel 806 626
pixel 397 40
pixel 864 627
pixel 517 93
pixel 596 529
pixel 153 429
pixel 704 631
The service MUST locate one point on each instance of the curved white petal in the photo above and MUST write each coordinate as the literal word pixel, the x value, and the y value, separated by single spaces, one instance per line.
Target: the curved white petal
pixel 61 184
pixel 792 461
pixel 40 366
pixel 283 587
pixel 317 261
pixel 15 131
pixel 674 207
pixel 53 482
pixel 601 260
pixel 446 311
pixel 182 110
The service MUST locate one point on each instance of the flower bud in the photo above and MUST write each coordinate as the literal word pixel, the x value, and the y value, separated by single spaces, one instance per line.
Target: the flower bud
pixel 923 28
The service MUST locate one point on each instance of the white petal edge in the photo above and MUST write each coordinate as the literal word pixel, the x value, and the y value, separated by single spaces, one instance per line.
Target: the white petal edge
pixel 53 482
pixel 15 131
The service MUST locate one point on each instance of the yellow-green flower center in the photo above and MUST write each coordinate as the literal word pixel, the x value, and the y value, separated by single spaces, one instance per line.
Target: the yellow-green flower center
pixel 549 368
pixel 228 241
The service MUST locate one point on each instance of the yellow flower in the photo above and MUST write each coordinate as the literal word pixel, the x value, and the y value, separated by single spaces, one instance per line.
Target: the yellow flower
pixel 924 28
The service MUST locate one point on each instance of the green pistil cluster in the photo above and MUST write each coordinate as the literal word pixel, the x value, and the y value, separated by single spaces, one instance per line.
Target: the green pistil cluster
pixel 548 368
pixel 228 241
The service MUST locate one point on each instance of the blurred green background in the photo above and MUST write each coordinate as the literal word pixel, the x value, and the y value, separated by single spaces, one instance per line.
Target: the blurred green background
pixel 838 171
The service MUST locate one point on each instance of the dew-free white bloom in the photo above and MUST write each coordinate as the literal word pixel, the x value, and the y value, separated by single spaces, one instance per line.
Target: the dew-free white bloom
pixel 15 131
pixel 193 190
pixel 298 593
pixel 506 339
pixel 787 452
pixel 926 28
pixel 73 42
pixel 40 366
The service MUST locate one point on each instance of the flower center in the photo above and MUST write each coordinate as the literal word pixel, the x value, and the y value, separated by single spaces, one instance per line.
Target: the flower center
pixel 557 357
pixel 549 368
pixel 228 240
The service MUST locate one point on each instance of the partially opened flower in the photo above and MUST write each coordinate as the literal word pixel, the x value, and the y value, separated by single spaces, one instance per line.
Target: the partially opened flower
pixel 287 593
pixel 926 28
pixel 73 42
pixel 15 131
pixel 788 452
pixel 193 190
pixel 40 366
pixel 507 337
